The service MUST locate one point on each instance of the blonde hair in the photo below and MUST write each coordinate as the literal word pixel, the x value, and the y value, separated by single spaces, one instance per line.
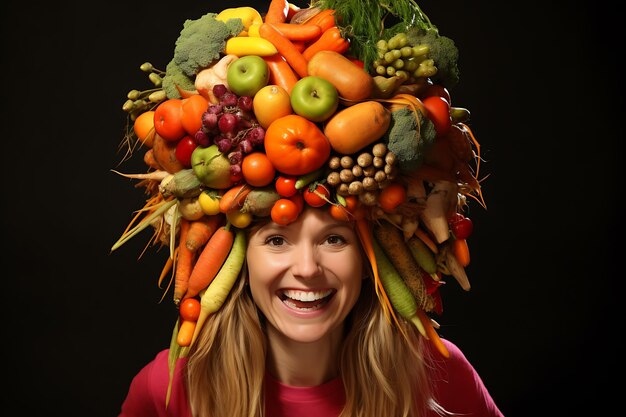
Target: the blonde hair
pixel 226 368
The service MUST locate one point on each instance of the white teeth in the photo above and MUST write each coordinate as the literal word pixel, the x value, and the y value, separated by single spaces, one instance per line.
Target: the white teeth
pixel 307 295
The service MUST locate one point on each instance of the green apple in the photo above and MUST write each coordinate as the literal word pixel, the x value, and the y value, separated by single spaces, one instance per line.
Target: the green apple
pixel 211 167
pixel 314 98
pixel 247 75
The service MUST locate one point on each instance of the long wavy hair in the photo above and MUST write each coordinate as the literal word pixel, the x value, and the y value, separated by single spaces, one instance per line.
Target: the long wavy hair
pixel 226 366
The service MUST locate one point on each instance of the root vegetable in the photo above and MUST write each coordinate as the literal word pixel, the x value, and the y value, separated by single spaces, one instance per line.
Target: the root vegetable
pixel 439 202
pixel 190 209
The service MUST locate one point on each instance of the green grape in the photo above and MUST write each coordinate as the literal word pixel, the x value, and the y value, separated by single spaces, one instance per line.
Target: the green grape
pixel 389 57
pixel 420 50
pixel 396 54
pixel 391 71
pixel 398 64
pixel 382 46
pixel 406 51
pixel 381 70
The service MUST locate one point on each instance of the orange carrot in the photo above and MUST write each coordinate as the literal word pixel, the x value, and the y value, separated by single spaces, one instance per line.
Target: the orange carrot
pixel 210 260
pixel 331 40
pixel 281 73
pixel 234 197
pixel 296 32
pixel 324 19
pixel 461 251
pixel 184 263
pixel 201 230
pixel 185 332
pixel 277 11
pixel 432 334
pixel 286 48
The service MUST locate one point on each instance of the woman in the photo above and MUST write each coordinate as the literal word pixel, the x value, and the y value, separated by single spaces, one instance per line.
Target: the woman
pixel 303 334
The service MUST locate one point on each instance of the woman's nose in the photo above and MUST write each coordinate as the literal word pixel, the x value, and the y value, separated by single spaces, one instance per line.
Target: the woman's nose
pixel 306 263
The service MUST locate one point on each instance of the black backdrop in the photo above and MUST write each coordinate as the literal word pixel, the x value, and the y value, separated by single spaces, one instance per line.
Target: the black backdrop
pixel 542 82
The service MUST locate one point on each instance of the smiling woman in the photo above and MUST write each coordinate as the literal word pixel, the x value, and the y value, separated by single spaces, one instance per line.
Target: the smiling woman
pixel 302 333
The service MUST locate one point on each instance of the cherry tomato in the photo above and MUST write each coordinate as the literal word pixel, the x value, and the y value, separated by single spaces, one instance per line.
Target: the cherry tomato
pixel 189 309
pixel 316 195
pixel 286 186
pixel 436 90
pixel 257 169
pixel 391 197
pixel 461 226
pixel 438 113
pixel 184 149
pixel 299 200
pixel 341 213
pixel 284 211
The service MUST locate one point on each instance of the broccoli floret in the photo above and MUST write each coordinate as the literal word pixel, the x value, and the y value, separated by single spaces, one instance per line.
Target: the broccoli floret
pixel 442 51
pixel 201 42
pixel 406 141
pixel 174 76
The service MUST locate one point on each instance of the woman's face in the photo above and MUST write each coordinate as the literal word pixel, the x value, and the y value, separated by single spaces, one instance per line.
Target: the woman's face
pixel 305 277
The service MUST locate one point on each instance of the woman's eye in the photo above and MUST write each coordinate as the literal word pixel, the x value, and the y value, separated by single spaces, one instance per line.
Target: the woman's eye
pixel 335 240
pixel 274 241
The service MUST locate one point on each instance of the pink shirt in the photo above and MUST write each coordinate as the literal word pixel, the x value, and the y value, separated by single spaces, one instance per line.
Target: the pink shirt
pixel 458 388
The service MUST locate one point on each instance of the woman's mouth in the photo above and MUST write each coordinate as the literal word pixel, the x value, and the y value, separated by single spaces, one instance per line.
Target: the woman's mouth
pixel 306 300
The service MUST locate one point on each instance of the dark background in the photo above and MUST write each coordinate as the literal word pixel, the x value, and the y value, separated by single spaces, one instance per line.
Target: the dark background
pixel 545 91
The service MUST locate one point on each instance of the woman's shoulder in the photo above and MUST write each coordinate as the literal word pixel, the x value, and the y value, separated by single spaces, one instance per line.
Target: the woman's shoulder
pixel 148 390
pixel 458 386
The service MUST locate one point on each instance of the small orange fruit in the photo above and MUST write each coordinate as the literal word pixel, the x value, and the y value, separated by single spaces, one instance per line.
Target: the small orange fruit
pixel 144 128
pixel 270 103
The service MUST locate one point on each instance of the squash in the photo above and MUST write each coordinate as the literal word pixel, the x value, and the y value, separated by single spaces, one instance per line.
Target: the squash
pixel 357 126
pixel 352 82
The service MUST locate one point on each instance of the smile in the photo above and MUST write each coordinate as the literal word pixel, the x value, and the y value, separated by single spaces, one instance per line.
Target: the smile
pixel 306 300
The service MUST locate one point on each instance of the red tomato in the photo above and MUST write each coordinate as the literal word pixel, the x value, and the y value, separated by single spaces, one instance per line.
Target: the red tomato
pixel 184 149
pixel 286 186
pixel 168 119
pixel 317 195
pixel 189 309
pixel 284 211
pixel 438 113
pixel 461 226
pixel 295 145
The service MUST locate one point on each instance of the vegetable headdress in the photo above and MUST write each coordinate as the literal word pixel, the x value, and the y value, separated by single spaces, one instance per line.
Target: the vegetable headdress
pixel 342 105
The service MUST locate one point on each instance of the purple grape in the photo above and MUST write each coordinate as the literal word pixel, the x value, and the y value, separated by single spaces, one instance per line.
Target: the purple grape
pixel 235 169
pixel 235 157
pixel 246 146
pixel 227 123
pixel 202 138
pixel 256 135
pixel 245 103
pixel 223 144
pixel 209 120
pixel 229 99
pixel 219 90
pixel 215 108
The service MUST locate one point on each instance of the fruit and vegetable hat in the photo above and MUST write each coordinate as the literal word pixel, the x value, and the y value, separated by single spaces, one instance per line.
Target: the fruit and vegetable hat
pixel 260 113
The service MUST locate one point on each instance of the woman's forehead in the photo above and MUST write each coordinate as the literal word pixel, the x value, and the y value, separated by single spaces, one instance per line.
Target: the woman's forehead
pixel 315 219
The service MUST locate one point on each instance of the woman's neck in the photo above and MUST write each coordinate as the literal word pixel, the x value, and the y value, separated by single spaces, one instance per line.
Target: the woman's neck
pixel 303 364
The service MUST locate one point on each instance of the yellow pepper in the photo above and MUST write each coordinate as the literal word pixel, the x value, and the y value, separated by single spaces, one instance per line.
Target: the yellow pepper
pixel 246 45
pixel 248 15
